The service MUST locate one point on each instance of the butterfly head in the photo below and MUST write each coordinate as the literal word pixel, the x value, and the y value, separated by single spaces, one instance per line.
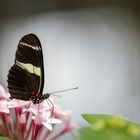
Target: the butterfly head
pixel 37 98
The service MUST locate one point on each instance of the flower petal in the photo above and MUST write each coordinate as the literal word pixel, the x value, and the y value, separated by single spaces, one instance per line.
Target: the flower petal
pixel 4 106
pixel 22 118
pixel 3 94
pixel 54 121
pixel 47 125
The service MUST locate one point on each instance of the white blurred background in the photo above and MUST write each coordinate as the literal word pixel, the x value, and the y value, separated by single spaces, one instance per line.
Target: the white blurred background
pixel 94 45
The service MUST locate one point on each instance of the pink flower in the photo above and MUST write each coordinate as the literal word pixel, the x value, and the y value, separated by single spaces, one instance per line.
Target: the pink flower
pixel 45 119
pixel 25 121
pixel 68 127
pixel 4 106
pixel 38 108
pixel 3 94
pixel 6 103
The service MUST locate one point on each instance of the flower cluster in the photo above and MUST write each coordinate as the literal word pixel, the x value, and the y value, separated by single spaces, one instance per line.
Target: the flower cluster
pixel 23 120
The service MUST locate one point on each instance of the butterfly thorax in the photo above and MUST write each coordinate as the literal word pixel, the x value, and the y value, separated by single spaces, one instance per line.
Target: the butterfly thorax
pixel 37 98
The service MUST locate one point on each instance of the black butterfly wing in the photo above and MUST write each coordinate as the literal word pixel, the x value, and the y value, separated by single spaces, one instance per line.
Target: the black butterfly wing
pixel 21 83
pixel 26 76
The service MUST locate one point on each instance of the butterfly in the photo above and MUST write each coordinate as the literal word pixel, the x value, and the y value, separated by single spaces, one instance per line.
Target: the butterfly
pixel 26 76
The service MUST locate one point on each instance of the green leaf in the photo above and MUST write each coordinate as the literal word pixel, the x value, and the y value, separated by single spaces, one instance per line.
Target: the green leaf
pixel 3 138
pixel 109 127
pixel 93 118
pixel 87 133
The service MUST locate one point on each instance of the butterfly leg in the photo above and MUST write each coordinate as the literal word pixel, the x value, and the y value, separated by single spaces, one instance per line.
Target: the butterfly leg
pixel 52 111
pixel 38 108
pixel 27 108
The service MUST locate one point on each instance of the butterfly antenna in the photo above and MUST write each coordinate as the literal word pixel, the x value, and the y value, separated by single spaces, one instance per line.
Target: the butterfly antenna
pixel 53 93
